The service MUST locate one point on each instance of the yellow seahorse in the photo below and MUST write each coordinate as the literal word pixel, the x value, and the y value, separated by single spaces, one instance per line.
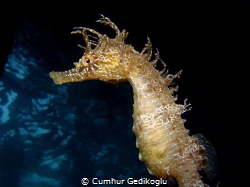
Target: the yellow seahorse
pixel 165 145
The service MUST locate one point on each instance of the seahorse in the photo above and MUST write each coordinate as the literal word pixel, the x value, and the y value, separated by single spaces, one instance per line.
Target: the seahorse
pixel 164 143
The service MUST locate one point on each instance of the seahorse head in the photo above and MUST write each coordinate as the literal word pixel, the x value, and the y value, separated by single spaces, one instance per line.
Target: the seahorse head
pixel 102 59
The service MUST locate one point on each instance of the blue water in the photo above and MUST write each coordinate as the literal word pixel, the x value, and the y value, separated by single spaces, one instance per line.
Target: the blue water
pixel 53 136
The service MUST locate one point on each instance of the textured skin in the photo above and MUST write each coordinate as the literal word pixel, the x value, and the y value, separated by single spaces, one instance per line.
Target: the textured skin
pixel 164 144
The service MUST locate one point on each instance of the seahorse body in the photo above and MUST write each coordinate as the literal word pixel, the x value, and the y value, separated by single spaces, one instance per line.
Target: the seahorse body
pixel 165 146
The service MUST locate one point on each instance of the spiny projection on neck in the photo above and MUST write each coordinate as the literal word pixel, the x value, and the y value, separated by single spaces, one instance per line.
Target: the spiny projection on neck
pixel 164 144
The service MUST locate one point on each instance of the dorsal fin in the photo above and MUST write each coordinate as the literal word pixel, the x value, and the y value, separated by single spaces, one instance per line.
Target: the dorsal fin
pixel 211 167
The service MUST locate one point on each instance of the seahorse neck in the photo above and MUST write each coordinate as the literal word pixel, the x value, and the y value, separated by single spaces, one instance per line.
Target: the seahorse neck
pixel 149 89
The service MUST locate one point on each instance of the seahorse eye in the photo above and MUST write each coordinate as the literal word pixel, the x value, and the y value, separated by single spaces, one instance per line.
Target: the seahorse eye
pixel 88 61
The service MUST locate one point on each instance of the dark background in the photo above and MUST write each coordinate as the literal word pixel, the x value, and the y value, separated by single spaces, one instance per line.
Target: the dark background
pixel 208 41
